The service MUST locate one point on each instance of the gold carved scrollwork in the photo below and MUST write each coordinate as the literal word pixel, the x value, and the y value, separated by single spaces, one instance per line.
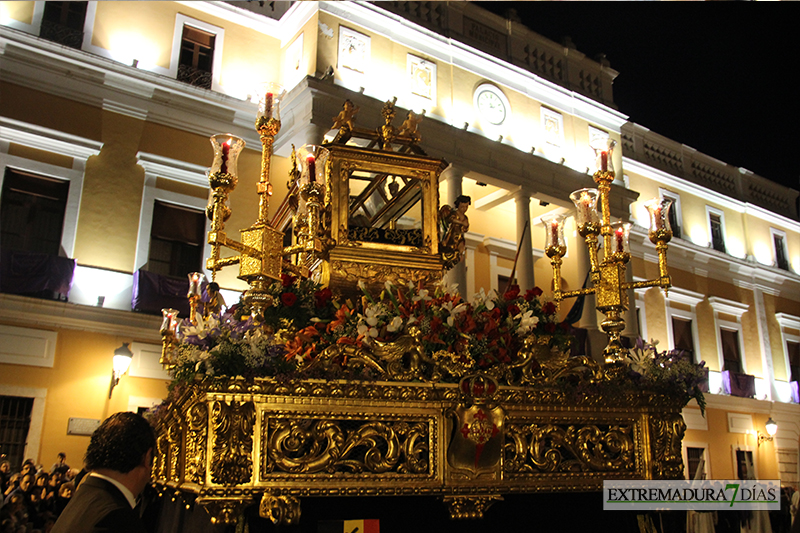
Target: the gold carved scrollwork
pixel 174 436
pixel 551 448
pixel 196 443
pixel 469 507
pixel 282 509
pixel 308 446
pixel 667 434
pixel 372 273
pixel 232 424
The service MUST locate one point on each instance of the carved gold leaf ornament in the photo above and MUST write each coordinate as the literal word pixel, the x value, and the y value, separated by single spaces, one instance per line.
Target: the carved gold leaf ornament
pixel 350 387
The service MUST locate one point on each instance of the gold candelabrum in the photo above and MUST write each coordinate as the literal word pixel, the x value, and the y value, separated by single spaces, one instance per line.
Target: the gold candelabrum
pixel 262 256
pixel 608 276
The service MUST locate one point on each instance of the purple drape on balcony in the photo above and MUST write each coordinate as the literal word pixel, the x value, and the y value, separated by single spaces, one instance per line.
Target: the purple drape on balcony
pixel 736 384
pixel 36 274
pixel 153 292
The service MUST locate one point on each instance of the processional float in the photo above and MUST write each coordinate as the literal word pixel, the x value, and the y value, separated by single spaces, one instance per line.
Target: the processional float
pixel 364 212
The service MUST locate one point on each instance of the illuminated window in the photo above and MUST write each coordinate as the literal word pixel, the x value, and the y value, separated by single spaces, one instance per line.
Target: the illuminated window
pixel 674 212
pixel 196 59
pixel 779 242
pixel 716 228
pixel 731 355
pixel 176 240
pixel 682 336
pixel 32 212
pixel 62 22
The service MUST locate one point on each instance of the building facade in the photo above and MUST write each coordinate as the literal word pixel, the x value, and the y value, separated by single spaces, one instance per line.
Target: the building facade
pixel 105 113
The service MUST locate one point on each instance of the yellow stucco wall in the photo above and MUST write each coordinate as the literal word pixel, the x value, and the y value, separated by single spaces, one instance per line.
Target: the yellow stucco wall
pixel 20 11
pixel 721 444
pixel 77 387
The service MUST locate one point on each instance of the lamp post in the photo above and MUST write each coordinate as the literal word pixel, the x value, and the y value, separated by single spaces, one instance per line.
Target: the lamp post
pixel 607 275
pixel 120 364
pixel 772 429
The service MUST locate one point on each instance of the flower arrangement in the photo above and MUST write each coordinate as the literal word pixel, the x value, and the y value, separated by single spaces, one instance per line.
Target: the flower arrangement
pixel 303 319
pixel 671 370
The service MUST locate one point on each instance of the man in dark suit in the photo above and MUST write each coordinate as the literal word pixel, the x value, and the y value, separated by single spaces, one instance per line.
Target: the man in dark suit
pixel 119 460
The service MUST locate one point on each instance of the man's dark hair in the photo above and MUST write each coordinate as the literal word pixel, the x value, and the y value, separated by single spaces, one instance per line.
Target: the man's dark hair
pixel 120 443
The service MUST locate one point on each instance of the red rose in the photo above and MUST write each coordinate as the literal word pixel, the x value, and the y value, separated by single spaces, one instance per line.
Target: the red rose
pixel 513 309
pixel 322 297
pixel 287 280
pixel 512 293
pixel 530 294
pixel 549 308
pixel 288 299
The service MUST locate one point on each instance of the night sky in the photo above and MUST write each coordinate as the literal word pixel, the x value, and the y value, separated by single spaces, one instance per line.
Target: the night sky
pixel 715 76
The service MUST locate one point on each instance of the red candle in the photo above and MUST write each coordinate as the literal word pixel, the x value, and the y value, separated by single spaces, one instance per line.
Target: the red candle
pixel 226 146
pixel 312 169
pixel 554 229
pixel 604 161
pixel 620 240
pixel 268 106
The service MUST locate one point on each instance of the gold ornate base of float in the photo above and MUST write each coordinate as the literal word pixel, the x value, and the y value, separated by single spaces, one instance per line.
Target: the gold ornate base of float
pixel 233 443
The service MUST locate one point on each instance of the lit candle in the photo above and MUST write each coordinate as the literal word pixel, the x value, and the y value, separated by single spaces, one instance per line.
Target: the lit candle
pixel 554 234
pixel 620 240
pixel 604 161
pixel 586 203
pixel 226 146
pixel 268 106
pixel 194 284
pixel 312 169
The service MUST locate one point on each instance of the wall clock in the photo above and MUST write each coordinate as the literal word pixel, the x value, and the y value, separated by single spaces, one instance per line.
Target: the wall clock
pixel 491 103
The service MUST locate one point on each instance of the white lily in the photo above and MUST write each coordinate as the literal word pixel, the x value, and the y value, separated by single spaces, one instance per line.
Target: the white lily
pixel 395 324
pixel 527 321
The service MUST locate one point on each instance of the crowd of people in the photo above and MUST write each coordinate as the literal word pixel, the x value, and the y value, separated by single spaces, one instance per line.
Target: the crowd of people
pixel 33 498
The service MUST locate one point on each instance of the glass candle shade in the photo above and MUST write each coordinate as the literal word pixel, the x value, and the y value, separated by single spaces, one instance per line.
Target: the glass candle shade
pixel 227 148
pixel 603 155
pixel 311 160
pixel 660 228
pixel 170 322
pixel 555 245
pixel 620 233
pixel 195 282
pixel 587 217
pixel 269 101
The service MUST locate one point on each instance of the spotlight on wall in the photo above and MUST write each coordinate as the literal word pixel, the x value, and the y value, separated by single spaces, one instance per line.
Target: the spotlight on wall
pixel 771 428
pixel 121 362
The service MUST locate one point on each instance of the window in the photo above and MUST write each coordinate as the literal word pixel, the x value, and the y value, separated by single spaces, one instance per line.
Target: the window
pixel 696 460
pixel 682 336
pixel 196 57
pixel 62 22
pixel 716 223
pixel 730 350
pixel 745 468
pixel 15 420
pixel 176 240
pixel 781 257
pixel 793 353
pixel 32 212
pixel 674 212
